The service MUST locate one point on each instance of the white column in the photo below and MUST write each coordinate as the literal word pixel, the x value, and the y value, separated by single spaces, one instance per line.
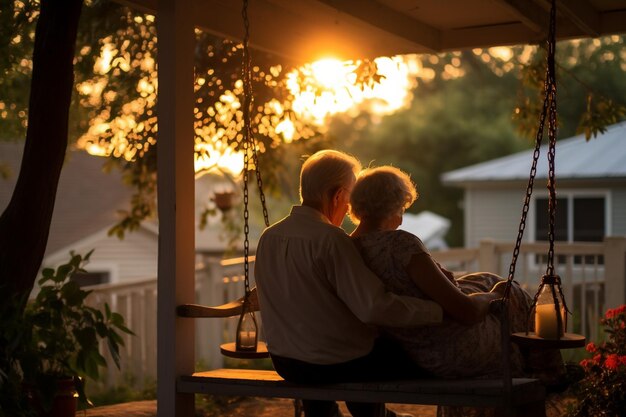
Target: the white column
pixel 615 271
pixel 175 336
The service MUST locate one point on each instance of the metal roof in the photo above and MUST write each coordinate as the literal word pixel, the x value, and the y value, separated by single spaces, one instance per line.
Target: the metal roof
pixel 602 157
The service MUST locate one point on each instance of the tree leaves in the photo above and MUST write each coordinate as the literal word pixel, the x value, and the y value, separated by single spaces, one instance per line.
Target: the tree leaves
pixel 600 112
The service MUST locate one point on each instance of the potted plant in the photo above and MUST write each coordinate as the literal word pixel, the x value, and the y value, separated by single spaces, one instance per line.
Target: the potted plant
pixel 61 339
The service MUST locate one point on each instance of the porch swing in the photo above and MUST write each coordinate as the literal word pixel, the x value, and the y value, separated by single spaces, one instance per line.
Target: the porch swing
pixel 548 304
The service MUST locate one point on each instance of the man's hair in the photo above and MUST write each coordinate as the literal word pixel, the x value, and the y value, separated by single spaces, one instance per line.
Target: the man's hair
pixel 381 192
pixel 324 172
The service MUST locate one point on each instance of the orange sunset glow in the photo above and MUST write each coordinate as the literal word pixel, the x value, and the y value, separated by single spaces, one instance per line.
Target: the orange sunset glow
pixel 319 89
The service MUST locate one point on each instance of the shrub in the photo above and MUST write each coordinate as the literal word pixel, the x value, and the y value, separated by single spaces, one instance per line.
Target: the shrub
pixel 602 392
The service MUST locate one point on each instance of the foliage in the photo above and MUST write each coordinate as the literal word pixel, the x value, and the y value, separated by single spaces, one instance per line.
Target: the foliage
pixel 116 102
pixel 58 336
pixel 602 392
pixel 590 87
pixel 17 29
pixel 12 401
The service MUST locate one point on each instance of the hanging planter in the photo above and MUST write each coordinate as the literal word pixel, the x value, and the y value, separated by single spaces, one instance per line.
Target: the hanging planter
pixel 224 200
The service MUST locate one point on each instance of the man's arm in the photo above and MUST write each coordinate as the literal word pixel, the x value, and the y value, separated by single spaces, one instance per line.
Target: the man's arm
pixel 365 295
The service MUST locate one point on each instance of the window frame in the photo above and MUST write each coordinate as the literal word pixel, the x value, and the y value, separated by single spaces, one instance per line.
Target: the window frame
pixel 570 195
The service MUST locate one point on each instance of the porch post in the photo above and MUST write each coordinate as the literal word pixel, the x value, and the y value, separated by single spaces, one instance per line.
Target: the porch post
pixel 487 257
pixel 615 271
pixel 175 186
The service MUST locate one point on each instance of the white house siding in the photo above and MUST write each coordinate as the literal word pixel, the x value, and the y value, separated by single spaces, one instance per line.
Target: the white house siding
pixel 492 213
pixel 132 258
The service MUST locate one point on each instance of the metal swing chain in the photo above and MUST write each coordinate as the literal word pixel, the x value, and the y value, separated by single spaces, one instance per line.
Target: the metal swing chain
pixel 552 201
pixel 549 103
pixel 549 106
pixel 551 96
pixel 249 146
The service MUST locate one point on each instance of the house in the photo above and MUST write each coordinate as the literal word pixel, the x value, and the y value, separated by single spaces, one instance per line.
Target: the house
pixel 87 206
pixel 591 191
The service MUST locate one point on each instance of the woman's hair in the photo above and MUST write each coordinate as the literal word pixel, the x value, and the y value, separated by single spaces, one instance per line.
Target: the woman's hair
pixel 323 173
pixel 381 192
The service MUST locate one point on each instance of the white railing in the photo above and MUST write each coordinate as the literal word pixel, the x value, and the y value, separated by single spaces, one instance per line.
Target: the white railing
pixel 593 275
pixel 137 303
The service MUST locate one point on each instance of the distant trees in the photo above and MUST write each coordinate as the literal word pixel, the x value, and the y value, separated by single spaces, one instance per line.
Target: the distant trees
pixel 482 104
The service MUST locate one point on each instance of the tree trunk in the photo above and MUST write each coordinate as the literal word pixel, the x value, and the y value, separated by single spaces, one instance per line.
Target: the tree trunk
pixel 25 224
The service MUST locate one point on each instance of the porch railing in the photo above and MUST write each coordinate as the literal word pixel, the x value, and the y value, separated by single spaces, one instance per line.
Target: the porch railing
pixel 593 274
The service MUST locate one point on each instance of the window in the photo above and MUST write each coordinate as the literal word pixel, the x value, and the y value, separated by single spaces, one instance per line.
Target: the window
pixel 579 218
pixel 589 219
pixel 542 221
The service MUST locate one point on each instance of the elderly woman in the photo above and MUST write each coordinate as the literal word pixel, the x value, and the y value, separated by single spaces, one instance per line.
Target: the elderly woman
pixel 468 342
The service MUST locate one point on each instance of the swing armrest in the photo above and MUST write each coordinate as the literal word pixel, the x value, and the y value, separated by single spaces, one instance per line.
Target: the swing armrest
pixel 230 309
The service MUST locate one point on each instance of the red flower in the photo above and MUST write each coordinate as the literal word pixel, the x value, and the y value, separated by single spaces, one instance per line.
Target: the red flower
pixel 591 347
pixel 596 358
pixel 586 363
pixel 612 362
pixel 615 311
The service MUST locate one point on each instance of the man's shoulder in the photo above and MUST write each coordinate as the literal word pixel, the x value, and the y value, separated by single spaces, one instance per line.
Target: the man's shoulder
pixel 305 227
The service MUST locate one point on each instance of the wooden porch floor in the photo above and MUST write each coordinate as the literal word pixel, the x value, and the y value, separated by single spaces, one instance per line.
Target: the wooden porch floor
pixel 263 407
pixel 257 407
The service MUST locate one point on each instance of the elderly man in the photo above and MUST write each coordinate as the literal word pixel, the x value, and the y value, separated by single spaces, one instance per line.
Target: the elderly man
pixel 320 303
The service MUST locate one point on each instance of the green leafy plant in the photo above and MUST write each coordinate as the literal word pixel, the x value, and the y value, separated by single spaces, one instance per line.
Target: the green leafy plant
pixel 63 333
pixel 602 392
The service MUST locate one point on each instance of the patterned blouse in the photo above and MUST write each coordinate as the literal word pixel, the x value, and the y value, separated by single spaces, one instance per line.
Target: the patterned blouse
pixel 451 349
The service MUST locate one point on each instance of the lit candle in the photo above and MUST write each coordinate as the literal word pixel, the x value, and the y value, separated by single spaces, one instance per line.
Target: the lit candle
pixel 246 332
pixel 546 324
pixel 247 340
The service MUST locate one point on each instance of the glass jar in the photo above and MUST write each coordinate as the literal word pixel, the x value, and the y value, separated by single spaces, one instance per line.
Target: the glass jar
pixel 547 324
pixel 247 334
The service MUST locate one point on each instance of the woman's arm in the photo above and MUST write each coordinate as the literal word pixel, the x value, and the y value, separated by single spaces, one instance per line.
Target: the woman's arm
pixel 466 309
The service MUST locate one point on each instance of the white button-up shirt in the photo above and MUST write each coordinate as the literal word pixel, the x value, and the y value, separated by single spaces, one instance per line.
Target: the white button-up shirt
pixel 319 302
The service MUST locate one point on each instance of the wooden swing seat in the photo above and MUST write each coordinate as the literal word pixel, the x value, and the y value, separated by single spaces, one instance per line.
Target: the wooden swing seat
pixel 527 396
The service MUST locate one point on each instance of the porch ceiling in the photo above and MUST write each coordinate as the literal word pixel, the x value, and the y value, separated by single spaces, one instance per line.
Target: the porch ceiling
pixel 304 30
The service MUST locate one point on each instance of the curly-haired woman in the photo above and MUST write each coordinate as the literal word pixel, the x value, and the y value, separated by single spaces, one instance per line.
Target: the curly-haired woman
pixel 468 343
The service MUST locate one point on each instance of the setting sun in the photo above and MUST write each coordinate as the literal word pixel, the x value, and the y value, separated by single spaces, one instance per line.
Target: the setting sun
pixel 330 72
pixel 329 86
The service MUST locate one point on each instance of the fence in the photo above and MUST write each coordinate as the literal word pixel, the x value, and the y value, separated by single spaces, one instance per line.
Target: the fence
pixel 593 275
